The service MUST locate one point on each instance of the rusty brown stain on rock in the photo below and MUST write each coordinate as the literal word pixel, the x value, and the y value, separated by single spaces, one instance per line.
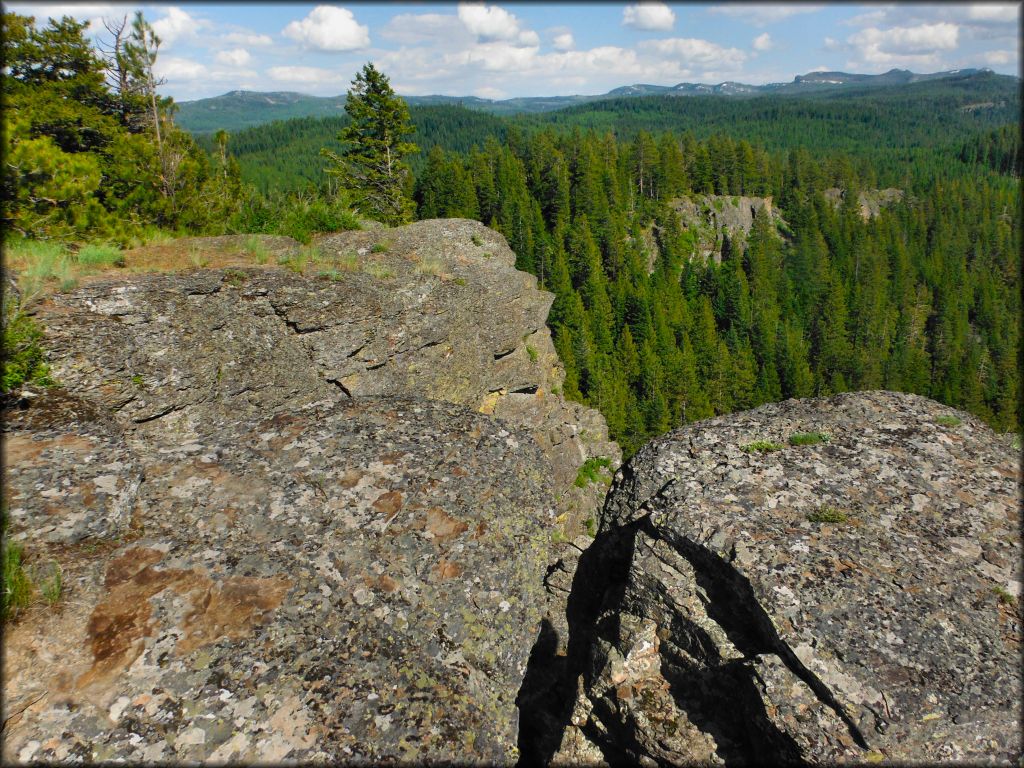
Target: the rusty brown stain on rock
pixel 446 569
pixel 388 503
pixel 386 583
pixel 350 478
pixel 444 526
pixel 232 609
pixel 391 457
pixel 119 623
pixel 24 451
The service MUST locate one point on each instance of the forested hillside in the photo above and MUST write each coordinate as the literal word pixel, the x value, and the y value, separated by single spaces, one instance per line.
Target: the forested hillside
pixel 924 297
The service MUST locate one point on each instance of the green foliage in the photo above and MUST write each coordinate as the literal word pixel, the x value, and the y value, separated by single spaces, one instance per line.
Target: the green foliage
pixel 381 247
pixel 590 471
pixel 808 438
pixel 761 446
pixel 299 215
pixel 590 526
pixel 17 586
pixel 827 514
pixel 532 352
pixel 948 421
pixel 100 255
pixel 370 167
pixel 23 359
pixel 254 247
pixel 1003 596
pixel 51 585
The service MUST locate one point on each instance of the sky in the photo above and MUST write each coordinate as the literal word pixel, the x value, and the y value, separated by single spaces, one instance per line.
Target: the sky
pixel 499 51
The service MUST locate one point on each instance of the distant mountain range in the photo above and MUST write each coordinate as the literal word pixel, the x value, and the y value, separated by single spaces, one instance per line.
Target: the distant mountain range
pixel 241 109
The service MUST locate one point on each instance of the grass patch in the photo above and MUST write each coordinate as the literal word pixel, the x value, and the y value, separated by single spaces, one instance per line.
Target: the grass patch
pixel 349 262
pixel 17 586
pixel 100 256
pixel 254 247
pixel 51 586
pixel 199 259
pixel 378 270
pixel 1016 442
pixel 330 274
pixel 808 438
pixel 761 446
pixel 430 267
pixel 475 239
pixel 1004 597
pixel 827 514
pixel 382 247
pixel 235 277
pixel 590 471
pixel 532 353
pixel 948 421
pixel 590 526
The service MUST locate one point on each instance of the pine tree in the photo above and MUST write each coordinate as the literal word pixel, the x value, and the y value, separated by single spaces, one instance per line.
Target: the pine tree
pixel 371 166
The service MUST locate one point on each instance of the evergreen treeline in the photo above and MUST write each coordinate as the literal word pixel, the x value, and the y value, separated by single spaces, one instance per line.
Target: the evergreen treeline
pixel 922 298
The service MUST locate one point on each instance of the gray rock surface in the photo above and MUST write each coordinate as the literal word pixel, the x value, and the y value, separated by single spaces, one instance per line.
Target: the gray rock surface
pixel 709 216
pixel 718 618
pixel 870 201
pixel 327 583
pixel 299 516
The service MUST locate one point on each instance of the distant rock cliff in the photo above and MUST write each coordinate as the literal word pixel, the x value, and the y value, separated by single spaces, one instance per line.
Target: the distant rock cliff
pixel 314 514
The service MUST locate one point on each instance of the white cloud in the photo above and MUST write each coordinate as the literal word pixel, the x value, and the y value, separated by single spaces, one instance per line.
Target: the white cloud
pixel 329 28
pixel 694 51
pixel 489 22
pixel 649 16
pixel 494 57
pixel 761 15
pixel 176 25
pixel 80 11
pixel 902 41
pixel 564 42
pixel 176 68
pixel 999 58
pixel 488 92
pixel 306 75
pixel 412 28
pixel 763 42
pixel 236 57
pixel 248 38
pixel 994 12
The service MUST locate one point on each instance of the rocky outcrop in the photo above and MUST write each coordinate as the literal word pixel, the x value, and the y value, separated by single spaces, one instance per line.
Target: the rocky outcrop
pixel 707 217
pixel 848 601
pixel 869 201
pixel 302 513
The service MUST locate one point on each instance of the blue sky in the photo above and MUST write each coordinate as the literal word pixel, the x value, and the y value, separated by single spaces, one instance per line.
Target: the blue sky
pixel 539 49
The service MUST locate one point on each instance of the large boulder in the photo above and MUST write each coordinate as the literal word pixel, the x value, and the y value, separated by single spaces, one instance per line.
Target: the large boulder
pixel 846 601
pixel 303 509
pixel 330 583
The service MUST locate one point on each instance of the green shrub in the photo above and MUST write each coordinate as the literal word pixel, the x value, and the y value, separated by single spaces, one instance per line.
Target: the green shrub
pixel 23 359
pixel 827 515
pixel 1004 597
pixel 948 421
pixel 475 239
pixel 590 471
pixel 761 446
pixel 590 526
pixel 378 270
pixel 532 353
pixel 52 585
pixel 381 247
pixel 17 586
pixel 98 255
pixel 808 438
pixel 254 247
pixel 235 277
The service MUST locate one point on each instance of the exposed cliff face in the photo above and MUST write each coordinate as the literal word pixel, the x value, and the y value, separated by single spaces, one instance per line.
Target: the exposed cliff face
pixel 720 617
pixel 707 217
pixel 298 517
